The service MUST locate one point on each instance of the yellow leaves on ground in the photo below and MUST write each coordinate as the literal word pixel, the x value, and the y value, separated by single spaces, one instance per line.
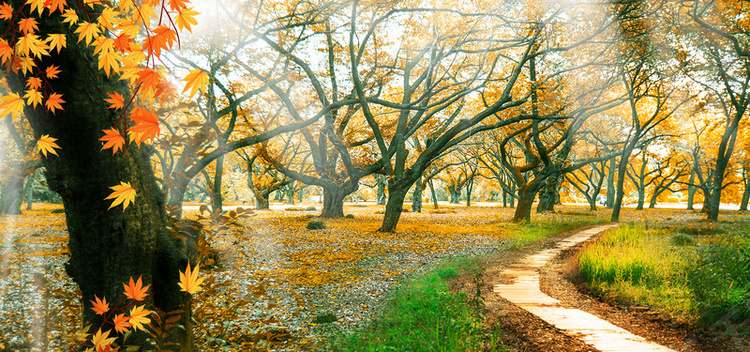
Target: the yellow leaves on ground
pixel 45 144
pixel 196 80
pixel 124 194
pixel 100 305
pixel 113 140
pixel 189 281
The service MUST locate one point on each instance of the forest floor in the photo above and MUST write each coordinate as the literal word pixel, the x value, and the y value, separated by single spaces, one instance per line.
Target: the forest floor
pixel 281 286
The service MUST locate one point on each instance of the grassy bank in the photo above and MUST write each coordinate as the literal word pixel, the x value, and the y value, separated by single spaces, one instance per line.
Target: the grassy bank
pixel 696 274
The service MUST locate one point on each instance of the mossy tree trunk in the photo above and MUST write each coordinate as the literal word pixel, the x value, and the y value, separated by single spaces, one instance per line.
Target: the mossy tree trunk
pixel 107 246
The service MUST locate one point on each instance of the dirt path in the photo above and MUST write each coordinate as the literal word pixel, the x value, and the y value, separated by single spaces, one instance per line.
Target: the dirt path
pixel 522 289
pixel 524 331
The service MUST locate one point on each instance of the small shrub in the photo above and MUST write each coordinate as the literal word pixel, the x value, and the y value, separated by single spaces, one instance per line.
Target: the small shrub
pixel 349 216
pixel 311 209
pixel 292 209
pixel 325 318
pixel 58 211
pixel 316 225
pixel 681 239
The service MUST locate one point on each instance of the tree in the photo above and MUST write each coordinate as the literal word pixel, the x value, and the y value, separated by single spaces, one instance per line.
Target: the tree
pixel 719 28
pixel 106 246
pixel 21 163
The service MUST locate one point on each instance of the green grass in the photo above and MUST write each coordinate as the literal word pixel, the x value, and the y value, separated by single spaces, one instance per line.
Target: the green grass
pixel 423 315
pixel 697 275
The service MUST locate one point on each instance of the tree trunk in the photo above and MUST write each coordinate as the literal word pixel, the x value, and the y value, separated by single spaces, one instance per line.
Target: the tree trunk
pixel 641 197
pixel 433 195
pixel 290 193
pixel 691 190
pixel 381 183
pixel 107 246
pixel 416 198
pixel 333 202
pixel 611 183
pixel 455 194
pixel 469 187
pixel 12 196
pixel 526 197
pixel 394 207
pixel 548 196
pixel 28 190
pixel 261 200
pixel 217 199
pixel 745 196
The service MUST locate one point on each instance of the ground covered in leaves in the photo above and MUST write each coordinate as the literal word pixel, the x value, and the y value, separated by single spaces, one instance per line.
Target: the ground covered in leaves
pixel 277 284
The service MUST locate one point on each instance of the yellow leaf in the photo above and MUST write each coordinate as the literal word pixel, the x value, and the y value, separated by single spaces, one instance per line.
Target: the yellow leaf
pixel 46 144
pixel 189 281
pixel 101 341
pixel 109 61
pixel 36 5
pixel 197 79
pixel 185 19
pixel 138 317
pixel 33 97
pixel 108 18
pixel 87 31
pixel 70 16
pixel 56 41
pixel 123 193
pixel 12 104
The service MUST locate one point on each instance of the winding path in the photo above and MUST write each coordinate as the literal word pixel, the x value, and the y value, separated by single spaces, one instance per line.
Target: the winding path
pixel 524 292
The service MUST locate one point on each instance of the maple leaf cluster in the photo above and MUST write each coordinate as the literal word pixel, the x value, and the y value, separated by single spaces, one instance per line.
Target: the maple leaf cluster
pixel 137 317
pixel 128 38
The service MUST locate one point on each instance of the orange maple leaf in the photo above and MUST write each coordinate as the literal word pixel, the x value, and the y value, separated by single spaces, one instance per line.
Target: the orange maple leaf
pixel 196 80
pixel 122 42
pixel 6 12
pixel 116 100
pixel 33 83
pixel 146 124
pixel 45 144
pixel 163 38
pixel 52 71
pixel 148 79
pixel 138 317
pixel 55 4
pixel 100 305
pixel 125 194
pixel 135 290
pixel 189 281
pixel 121 323
pixel 176 5
pixel 54 101
pixel 28 25
pixel 6 52
pixel 114 140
